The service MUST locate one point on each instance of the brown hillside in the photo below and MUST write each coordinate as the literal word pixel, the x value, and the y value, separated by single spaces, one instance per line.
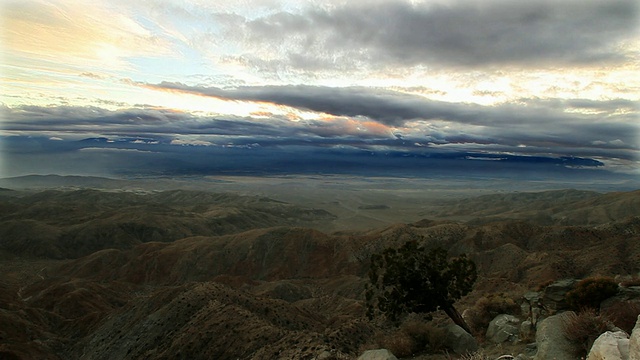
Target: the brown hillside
pixel 71 224
pixel 283 292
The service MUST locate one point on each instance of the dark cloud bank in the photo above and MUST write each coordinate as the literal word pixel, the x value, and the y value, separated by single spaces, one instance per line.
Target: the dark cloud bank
pixel 465 33
pixel 139 157
pixel 545 143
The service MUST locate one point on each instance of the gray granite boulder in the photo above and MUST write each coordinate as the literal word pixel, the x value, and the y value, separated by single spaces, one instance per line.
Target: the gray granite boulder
pixel 610 346
pixel 503 328
pixel 379 354
pixel 634 342
pixel 551 340
pixel 460 341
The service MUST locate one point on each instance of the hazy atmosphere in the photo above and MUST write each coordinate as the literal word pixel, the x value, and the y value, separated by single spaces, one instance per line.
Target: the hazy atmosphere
pixel 509 89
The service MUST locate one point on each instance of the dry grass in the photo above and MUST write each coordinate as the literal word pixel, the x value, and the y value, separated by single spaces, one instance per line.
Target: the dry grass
pixel 481 355
pixel 413 337
pixel 584 327
pixel 543 285
pixel 487 308
pixel 590 292
pixel 623 315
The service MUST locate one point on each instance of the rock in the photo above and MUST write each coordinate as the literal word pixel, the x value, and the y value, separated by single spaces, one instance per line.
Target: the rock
pixel 531 306
pixel 379 354
pixel 325 355
pixel 460 341
pixel 527 330
pixel 634 342
pixel 610 346
pixel 529 300
pixel 553 297
pixel 551 340
pixel 530 350
pixel 503 328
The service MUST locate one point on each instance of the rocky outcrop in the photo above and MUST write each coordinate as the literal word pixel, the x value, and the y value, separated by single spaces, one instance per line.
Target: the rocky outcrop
pixel 634 342
pixel 503 328
pixel 530 307
pixel 551 340
pixel 460 341
pixel 610 346
pixel 553 298
pixel 379 354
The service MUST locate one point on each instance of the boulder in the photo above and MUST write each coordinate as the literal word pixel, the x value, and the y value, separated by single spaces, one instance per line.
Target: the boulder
pixel 527 331
pixel 551 340
pixel 325 355
pixel 553 297
pixel 460 341
pixel 610 346
pixel 503 328
pixel 531 307
pixel 634 342
pixel 379 354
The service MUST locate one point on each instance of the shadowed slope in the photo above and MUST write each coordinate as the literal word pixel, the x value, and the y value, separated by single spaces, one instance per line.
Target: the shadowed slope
pixel 60 224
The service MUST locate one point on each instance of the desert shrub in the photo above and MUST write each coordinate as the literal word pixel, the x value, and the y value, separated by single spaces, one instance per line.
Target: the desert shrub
pixel 487 308
pixel 590 292
pixel 425 335
pixel 399 343
pixel 623 315
pixel 413 337
pixel 583 328
pixel 414 279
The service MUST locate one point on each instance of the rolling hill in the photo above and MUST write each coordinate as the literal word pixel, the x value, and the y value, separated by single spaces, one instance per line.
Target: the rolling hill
pixel 184 274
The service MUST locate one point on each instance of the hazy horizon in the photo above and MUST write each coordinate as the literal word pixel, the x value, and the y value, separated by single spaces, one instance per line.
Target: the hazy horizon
pixel 537 91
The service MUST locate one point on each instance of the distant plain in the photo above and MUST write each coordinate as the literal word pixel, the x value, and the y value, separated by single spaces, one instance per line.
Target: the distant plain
pixel 358 202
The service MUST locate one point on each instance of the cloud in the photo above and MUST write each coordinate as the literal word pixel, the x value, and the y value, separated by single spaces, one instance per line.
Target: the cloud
pixel 367 119
pixel 76 34
pixel 464 33
pixel 530 121
pixel 102 149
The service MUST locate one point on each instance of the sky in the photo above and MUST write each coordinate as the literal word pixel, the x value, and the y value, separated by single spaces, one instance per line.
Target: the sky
pixel 414 88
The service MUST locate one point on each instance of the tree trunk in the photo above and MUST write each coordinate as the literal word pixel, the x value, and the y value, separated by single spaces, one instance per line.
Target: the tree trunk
pixel 456 317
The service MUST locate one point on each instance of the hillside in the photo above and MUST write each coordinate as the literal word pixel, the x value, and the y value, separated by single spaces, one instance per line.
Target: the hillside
pixel 248 290
pixel 560 207
pixel 69 224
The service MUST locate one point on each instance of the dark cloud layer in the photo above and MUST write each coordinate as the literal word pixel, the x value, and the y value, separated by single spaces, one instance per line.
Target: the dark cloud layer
pixel 522 133
pixel 534 122
pixel 100 156
pixel 244 147
pixel 465 33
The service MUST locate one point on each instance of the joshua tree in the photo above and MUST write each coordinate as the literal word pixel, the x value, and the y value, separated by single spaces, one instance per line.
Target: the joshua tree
pixel 414 279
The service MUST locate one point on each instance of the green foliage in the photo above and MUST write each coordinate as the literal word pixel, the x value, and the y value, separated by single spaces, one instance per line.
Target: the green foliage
pixel 590 292
pixel 412 279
